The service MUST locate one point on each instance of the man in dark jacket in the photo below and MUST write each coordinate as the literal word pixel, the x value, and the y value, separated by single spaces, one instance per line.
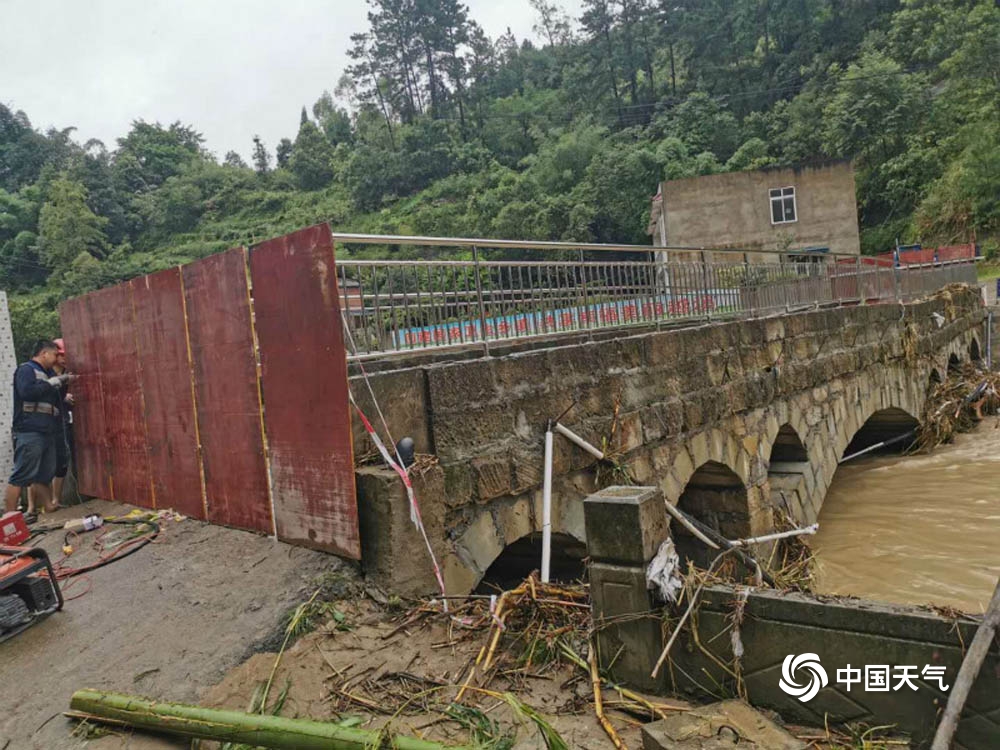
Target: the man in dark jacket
pixel 37 421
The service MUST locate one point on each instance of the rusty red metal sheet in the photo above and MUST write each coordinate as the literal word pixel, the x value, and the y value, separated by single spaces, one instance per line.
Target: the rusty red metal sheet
pixel 124 421
pixel 168 397
pixel 226 391
pixel 91 460
pixel 304 380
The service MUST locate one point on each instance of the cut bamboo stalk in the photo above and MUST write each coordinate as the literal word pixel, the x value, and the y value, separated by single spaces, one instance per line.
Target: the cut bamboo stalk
pixel 233 726
pixel 595 683
pixel 971 665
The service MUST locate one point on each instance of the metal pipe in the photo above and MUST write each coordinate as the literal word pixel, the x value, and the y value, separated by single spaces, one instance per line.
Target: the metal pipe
pixel 777 535
pixel 883 444
pixel 547 507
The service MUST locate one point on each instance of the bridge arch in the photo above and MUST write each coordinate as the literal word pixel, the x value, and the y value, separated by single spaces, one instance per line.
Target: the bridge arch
pixel 523 555
pixel 717 497
pixel 786 472
pixel 954 363
pixel 884 424
pixel 975 354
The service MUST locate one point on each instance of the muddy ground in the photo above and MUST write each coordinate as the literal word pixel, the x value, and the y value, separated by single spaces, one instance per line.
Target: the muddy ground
pixel 169 621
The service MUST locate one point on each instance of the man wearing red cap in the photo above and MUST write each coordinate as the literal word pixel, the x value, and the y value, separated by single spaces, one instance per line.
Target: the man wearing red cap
pixel 64 442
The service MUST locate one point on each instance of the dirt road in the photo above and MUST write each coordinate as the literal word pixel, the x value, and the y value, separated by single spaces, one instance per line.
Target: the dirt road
pixel 169 621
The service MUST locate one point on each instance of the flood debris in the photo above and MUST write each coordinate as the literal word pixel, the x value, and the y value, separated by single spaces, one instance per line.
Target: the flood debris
pixel 964 399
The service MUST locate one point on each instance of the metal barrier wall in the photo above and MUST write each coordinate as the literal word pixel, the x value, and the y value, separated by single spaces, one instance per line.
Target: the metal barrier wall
pixel 219 389
pixel 406 305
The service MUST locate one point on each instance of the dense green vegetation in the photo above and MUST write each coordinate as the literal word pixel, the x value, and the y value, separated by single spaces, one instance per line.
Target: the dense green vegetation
pixel 437 129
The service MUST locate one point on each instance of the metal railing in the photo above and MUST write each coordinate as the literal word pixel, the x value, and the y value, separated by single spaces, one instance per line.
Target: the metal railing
pixel 556 288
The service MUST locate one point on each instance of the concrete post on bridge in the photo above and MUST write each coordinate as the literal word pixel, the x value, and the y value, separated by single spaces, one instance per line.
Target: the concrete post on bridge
pixel 625 528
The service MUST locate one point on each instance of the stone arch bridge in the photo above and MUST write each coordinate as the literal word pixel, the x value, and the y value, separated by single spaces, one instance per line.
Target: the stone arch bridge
pixel 737 422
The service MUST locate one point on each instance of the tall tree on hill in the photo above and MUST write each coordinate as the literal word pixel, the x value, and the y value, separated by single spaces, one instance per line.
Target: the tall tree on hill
pixel 261 157
pixel 597 22
pixel 67 226
pixel 334 121
pixel 234 160
pixel 283 152
pixel 366 80
pixel 312 158
pixel 553 24
pixel 150 153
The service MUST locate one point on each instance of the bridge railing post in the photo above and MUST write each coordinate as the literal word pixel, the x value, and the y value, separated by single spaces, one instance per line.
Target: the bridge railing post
pixel 477 272
pixel 862 297
pixel 625 528
pixel 748 284
pixel 706 295
pixel 785 281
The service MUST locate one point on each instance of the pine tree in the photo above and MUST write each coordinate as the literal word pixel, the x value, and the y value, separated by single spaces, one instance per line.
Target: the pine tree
pixel 312 158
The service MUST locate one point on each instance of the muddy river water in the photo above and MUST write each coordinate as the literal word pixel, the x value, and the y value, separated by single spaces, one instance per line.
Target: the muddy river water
pixel 916 529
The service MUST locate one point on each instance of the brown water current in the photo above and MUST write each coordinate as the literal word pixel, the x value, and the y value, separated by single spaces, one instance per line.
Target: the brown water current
pixel 916 529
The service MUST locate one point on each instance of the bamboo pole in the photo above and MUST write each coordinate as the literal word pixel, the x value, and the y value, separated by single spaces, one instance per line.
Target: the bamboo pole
pixel 233 726
pixel 595 683
pixel 971 665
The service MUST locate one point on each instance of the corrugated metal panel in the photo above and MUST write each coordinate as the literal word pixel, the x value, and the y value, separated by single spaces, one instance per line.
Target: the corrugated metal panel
pixel 226 391
pixel 167 390
pixel 92 462
pixel 304 378
pixel 124 420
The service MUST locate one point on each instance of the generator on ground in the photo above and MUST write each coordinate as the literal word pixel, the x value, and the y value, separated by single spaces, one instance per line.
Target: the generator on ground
pixel 29 590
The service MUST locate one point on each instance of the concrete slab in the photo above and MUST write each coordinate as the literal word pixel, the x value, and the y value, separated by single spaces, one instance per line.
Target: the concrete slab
pixel 166 622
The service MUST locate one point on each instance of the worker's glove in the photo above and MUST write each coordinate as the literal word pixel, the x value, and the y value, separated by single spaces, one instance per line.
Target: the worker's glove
pixel 56 381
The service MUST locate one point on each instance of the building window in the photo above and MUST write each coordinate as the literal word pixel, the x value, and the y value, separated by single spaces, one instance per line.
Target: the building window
pixel 783 205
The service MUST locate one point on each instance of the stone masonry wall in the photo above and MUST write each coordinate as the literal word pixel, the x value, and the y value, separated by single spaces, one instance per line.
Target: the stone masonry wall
pixel 680 401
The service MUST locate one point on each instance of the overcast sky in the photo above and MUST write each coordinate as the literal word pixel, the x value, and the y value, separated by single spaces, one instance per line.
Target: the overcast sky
pixel 230 69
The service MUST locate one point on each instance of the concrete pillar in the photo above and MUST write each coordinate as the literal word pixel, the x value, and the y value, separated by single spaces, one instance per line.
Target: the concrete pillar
pixel 625 527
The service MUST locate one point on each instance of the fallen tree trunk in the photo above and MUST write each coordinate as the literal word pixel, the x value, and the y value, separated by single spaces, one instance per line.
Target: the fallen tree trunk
pixel 233 726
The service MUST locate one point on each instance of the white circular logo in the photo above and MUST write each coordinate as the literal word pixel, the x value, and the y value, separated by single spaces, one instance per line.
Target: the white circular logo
pixel 816 676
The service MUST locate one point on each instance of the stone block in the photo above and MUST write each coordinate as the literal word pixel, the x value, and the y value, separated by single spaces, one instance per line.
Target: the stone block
pixel 492 476
pixel 625 524
pixel 527 466
pixel 458 484
pixel 627 620
pixel 707 727
pixel 393 554
pixel 514 519
pixel 629 432
pixel 699 449
pixel 480 544
pixel 458 385
pixel 402 395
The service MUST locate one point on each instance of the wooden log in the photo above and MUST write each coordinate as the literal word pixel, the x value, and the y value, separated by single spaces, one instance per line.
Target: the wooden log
pixel 257 730
pixel 971 665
